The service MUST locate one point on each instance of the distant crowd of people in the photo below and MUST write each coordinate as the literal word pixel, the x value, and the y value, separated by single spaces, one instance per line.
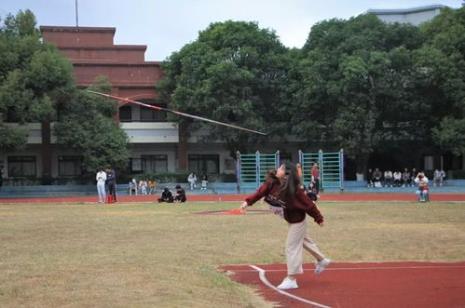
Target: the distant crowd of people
pixel 106 185
pixel 147 187
pixel 377 178
pixel 143 187
pixel 407 178
pixel 192 180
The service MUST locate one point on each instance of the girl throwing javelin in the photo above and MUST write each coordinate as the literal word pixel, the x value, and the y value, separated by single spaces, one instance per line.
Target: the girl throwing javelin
pixel 286 197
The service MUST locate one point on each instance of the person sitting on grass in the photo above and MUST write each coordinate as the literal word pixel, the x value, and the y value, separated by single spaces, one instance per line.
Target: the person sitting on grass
pixel 423 191
pixel 166 196
pixel 180 194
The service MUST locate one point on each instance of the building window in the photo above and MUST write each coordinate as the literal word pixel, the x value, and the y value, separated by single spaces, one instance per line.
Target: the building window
pixel 22 166
pixel 150 115
pixel 135 165
pixel 154 163
pixel 204 164
pixel 69 165
pixel 125 114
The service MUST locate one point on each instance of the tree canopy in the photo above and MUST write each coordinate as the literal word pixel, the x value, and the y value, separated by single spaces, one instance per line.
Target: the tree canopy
pixel 358 84
pixel 36 85
pixel 234 72
pixel 87 125
pixel 33 78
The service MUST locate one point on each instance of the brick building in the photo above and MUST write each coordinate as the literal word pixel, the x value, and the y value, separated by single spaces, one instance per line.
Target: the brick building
pixel 154 142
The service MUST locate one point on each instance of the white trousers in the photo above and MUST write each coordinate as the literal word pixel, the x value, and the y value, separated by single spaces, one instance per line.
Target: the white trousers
pixel 297 240
pixel 102 195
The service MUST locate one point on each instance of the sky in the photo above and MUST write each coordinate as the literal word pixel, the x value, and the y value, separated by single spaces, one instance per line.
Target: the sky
pixel 167 25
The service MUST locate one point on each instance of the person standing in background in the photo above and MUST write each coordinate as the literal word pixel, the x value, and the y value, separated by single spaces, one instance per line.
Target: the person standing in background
pixel 111 184
pixel 192 179
pixel 101 178
pixel 316 179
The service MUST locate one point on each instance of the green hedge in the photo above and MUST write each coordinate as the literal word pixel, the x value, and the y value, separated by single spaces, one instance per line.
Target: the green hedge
pixel 456 174
pixel 168 177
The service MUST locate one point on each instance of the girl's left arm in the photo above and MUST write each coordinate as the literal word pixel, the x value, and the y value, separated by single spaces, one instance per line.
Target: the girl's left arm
pixel 309 206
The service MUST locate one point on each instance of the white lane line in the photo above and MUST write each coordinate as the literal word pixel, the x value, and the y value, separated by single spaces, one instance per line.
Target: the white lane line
pixel 261 274
pixel 363 268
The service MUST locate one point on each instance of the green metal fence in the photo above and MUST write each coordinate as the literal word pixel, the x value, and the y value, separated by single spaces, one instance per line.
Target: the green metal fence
pixel 252 168
pixel 331 166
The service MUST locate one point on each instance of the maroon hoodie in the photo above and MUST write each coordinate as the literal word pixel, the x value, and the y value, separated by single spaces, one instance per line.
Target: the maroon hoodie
pixel 295 207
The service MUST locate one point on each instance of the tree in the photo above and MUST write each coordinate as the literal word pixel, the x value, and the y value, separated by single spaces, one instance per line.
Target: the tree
pixel 443 61
pixel 36 85
pixel 449 135
pixel 88 127
pixel 33 77
pixel 234 72
pixel 352 81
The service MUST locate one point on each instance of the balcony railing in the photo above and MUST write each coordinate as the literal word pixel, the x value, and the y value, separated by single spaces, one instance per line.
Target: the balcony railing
pixel 151 132
pixel 138 132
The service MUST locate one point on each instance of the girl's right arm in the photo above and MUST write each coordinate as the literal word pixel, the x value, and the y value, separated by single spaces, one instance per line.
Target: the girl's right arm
pixel 262 191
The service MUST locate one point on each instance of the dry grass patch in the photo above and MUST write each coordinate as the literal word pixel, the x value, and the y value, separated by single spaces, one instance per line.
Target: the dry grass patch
pixel 151 255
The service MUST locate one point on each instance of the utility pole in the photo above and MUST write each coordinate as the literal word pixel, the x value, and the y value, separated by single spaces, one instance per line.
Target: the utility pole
pixel 77 12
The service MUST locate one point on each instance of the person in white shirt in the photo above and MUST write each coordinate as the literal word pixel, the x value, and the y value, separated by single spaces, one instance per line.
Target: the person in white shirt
pixel 443 176
pixel 192 179
pixel 436 177
pixel 143 187
pixel 397 178
pixel 388 178
pixel 423 190
pixel 439 177
pixel 101 177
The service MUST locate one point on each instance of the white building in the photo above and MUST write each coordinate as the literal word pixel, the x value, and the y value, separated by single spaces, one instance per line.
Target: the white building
pixel 414 16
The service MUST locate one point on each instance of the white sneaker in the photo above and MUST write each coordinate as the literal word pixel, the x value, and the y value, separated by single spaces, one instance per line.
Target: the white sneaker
pixel 288 284
pixel 321 265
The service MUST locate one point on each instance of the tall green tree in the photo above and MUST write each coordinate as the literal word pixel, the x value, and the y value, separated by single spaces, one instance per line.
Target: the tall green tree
pixel 233 72
pixel 33 78
pixel 36 85
pixel 352 82
pixel 443 61
pixel 87 125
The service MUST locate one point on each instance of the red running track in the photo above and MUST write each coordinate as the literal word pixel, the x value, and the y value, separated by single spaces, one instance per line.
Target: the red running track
pixel 359 197
pixel 355 285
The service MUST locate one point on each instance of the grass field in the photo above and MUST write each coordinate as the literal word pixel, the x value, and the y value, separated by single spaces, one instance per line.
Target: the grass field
pixel 150 255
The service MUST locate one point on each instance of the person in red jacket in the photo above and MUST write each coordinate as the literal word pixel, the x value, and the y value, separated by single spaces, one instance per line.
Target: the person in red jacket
pixel 287 198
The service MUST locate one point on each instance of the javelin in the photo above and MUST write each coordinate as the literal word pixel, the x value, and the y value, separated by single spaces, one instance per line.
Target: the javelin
pixel 158 108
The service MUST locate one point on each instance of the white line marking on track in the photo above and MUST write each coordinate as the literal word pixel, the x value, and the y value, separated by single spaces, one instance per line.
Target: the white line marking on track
pixel 262 275
pixel 361 268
